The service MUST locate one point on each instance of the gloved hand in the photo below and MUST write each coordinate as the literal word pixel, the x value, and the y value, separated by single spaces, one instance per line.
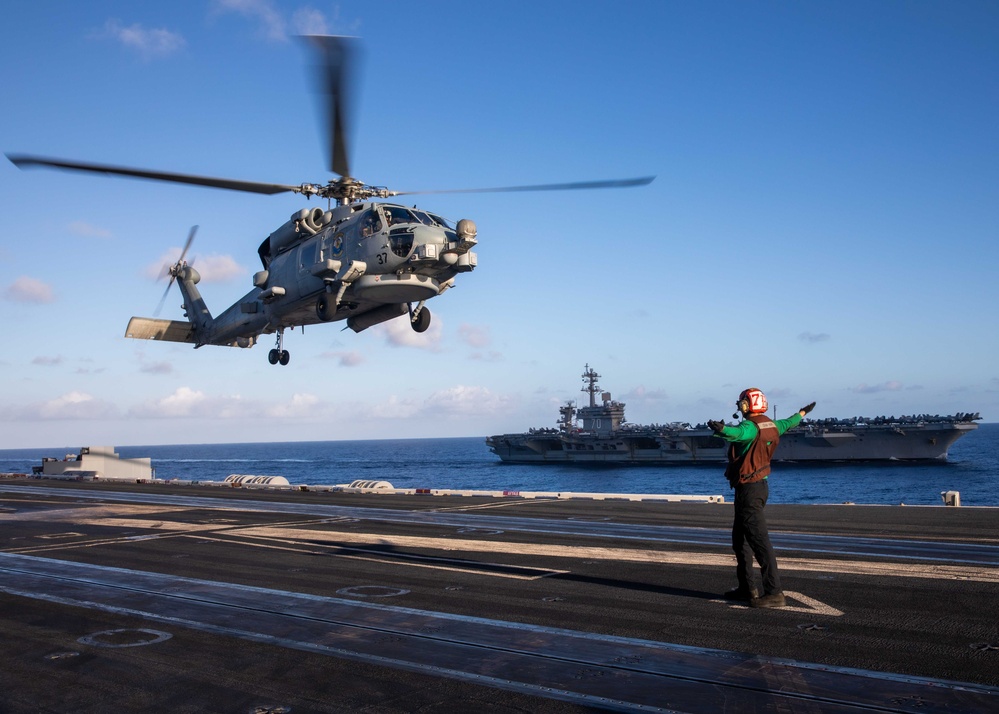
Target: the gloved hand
pixel 716 425
pixel 807 408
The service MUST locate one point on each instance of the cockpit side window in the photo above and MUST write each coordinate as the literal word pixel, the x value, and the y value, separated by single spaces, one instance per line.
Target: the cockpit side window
pixel 371 223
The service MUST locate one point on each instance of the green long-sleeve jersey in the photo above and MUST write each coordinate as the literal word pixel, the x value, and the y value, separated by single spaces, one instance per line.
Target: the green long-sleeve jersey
pixel 744 433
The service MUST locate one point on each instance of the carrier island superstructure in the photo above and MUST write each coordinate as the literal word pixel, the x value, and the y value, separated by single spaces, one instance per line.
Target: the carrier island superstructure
pixel 599 433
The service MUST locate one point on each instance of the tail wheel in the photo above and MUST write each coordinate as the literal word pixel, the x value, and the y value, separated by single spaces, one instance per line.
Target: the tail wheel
pixel 422 321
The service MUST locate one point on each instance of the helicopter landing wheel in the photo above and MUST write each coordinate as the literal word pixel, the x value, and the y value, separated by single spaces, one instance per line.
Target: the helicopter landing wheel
pixel 422 321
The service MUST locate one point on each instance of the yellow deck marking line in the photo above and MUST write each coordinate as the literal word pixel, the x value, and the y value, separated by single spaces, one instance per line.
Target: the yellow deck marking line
pixel 811 605
pixel 499 504
pixel 80 515
pixel 162 529
pixel 85 516
pixel 854 567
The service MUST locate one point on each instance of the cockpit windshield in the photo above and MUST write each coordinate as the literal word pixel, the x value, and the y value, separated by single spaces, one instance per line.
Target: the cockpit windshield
pixel 424 218
pixel 440 221
pixel 399 214
pixel 395 215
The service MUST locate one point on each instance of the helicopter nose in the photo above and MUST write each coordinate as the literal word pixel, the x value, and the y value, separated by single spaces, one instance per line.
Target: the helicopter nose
pixel 428 244
pixel 467 232
pixel 435 245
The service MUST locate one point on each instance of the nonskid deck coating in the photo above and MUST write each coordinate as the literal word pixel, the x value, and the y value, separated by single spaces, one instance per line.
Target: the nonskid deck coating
pixel 605 671
pixel 581 668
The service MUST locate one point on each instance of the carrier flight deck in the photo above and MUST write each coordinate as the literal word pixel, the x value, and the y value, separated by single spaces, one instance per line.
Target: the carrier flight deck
pixel 141 597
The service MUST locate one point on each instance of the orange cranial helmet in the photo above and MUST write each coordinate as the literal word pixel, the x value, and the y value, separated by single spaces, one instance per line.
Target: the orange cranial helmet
pixel 752 401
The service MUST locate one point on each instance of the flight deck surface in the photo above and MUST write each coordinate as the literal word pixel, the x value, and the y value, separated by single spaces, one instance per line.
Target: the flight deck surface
pixel 170 598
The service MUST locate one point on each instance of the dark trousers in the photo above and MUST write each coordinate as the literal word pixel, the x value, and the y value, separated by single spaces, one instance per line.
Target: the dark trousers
pixel 750 537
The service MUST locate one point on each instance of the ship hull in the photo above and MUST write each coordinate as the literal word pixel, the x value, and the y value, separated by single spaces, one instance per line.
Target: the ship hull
pixel 923 442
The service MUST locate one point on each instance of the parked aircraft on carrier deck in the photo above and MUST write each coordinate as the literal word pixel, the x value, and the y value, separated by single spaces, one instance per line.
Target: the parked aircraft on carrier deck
pixel 361 261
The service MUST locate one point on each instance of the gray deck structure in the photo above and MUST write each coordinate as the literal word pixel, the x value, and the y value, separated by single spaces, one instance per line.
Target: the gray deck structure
pixel 174 598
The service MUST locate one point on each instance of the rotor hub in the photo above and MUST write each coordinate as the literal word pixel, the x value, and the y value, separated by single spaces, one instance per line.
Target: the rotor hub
pixel 344 190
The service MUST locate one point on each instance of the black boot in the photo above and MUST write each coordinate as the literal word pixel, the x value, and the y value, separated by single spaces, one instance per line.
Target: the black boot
pixel 744 594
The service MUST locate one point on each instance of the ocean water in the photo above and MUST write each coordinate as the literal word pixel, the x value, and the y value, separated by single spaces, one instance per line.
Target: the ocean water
pixel 466 463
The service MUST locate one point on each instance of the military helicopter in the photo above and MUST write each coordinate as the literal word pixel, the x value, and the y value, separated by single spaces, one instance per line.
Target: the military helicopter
pixel 362 261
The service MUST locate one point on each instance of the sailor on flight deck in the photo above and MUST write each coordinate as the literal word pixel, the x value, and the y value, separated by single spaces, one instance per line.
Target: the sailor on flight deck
pixel 751 445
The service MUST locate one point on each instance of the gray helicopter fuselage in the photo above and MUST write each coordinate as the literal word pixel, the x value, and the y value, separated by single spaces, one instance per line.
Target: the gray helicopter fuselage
pixel 364 263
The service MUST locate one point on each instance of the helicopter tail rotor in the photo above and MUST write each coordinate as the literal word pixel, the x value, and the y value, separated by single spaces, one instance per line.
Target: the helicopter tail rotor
pixel 174 270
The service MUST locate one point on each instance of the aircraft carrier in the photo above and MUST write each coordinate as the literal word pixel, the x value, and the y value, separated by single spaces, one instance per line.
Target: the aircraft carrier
pixel 156 597
pixel 605 437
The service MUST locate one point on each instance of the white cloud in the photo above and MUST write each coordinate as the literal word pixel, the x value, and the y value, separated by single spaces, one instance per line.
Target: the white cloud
pixel 301 405
pixel 149 43
pixel 70 406
pixel 400 333
pixel 474 336
pixel 186 402
pixel 272 24
pixel 463 400
pixel 26 289
pixel 393 408
pixel 213 268
pixel 183 402
pixel 46 361
pixel 309 21
pixel 276 27
pixel 219 268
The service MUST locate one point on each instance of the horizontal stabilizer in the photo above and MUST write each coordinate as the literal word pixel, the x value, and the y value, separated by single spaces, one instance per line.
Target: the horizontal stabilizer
pixel 147 328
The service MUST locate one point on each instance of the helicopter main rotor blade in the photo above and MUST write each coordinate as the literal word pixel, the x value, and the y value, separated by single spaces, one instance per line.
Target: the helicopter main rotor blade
pixel 23 161
pixel 577 185
pixel 336 74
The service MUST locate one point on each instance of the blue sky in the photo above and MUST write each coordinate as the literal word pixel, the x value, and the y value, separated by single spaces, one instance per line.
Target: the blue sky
pixel 823 224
